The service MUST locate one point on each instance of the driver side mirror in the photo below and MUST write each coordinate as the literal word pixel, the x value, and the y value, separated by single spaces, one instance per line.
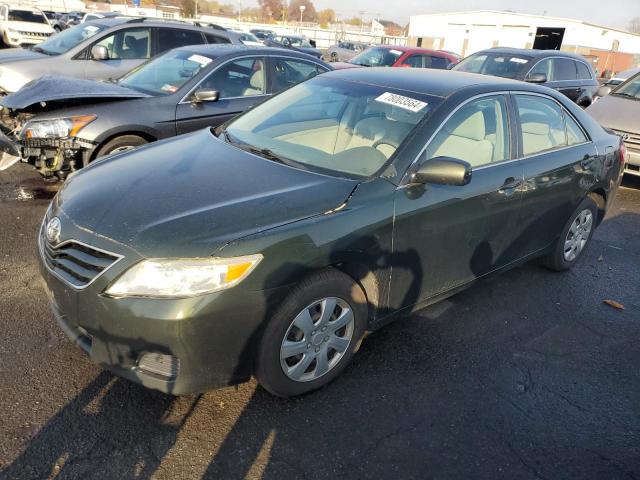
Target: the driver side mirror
pixel 205 95
pixel 99 52
pixel 537 78
pixel 443 171
pixel 604 91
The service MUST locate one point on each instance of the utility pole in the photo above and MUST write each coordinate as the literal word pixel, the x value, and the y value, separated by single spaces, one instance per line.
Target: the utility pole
pixel 302 9
pixel 361 12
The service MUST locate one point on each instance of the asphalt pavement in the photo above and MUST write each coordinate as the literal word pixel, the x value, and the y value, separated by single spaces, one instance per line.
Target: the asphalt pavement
pixel 525 375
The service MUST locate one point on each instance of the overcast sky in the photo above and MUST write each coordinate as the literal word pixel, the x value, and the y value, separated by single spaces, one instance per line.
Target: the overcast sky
pixel 614 13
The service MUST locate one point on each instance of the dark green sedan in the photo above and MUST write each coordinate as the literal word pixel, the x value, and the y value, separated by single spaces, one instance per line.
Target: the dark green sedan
pixel 269 246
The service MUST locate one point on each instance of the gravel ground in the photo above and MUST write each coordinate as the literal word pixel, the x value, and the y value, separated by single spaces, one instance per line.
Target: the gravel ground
pixel 526 375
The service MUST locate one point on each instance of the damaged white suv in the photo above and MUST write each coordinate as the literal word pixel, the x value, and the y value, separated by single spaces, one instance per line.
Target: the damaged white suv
pixel 23 26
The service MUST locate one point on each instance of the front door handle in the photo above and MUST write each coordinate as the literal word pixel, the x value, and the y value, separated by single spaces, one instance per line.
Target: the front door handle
pixel 509 186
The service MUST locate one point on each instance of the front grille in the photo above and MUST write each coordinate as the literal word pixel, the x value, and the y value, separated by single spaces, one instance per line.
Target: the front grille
pixel 76 263
pixel 631 140
pixel 35 34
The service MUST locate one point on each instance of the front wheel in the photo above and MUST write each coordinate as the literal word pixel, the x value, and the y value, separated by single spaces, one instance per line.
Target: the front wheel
pixel 313 335
pixel 120 144
pixel 575 237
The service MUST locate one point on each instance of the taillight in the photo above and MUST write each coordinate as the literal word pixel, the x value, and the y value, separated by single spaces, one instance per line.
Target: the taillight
pixel 623 153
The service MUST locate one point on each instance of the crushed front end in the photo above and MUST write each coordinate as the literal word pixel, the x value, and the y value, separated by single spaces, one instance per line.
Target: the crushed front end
pixel 53 157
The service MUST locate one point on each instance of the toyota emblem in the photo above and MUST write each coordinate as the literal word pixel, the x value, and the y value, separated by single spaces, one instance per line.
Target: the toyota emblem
pixel 53 230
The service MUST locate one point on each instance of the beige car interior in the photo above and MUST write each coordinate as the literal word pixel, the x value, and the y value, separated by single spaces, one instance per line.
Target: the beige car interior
pixel 373 135
pixel 542 125
pixel 477 134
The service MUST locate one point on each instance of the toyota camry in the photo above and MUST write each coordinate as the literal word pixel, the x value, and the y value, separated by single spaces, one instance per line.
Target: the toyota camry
pixel 269 246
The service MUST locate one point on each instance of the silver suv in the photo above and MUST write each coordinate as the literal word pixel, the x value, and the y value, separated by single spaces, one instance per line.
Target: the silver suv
pixel 102 49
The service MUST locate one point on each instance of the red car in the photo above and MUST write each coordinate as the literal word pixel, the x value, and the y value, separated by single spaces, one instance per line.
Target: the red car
pixel 394 56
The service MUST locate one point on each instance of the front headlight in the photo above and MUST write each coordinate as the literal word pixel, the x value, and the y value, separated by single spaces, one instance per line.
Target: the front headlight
pixel 56 128
pixel 171 278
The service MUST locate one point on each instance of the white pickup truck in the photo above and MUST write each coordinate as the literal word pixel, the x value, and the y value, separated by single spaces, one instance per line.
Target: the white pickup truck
pixel 23 26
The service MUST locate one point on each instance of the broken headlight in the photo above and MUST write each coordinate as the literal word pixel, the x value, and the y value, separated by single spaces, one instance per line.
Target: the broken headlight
pixel 56 128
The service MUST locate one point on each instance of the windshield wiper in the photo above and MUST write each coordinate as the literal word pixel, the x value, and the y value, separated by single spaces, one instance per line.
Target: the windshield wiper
pixel 626 95
pixel 264 152
pixel 41 50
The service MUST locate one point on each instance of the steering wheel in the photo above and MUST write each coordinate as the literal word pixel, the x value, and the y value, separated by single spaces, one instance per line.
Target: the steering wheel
pixel 382 141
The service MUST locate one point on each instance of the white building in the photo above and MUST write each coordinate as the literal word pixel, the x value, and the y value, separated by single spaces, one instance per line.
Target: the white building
pixel 468 32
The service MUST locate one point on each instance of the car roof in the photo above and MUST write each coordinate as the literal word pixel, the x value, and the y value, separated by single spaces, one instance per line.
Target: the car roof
pixel 427 81
pixel 529 52
pixel 215 50
pixel 404 49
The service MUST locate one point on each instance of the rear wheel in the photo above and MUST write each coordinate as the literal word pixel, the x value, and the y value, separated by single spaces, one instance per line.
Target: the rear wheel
pixel 313 335
pixel 575 237
pixel 120 144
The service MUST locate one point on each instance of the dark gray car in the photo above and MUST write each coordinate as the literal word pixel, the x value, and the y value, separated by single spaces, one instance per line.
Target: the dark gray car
pixel 565 72
pixel 101 49
pixel 182 90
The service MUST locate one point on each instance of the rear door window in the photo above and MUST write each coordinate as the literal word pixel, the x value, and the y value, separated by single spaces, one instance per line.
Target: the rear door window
pixel 542 124
pixel 583 71
pixel 169 38
pixel 564 69
pixel 575 134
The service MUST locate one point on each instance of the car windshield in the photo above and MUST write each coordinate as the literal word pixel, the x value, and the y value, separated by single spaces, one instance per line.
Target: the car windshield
pixel 165 74
pixel 331 126
pixel 26 16
pixel 67 39
pixel 498 64
pixel 630 88
pixel 377 57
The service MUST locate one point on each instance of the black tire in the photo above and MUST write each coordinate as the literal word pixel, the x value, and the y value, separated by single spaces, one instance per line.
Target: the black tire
pixel 327 283
pixel 556 259
pixel 124 141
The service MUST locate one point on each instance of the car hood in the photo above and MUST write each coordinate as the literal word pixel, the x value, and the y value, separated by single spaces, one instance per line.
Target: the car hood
pixel 55 88
pixel 616 112
pixel 190 195
pixel 30 27
pixel 311 51
pixel 15 54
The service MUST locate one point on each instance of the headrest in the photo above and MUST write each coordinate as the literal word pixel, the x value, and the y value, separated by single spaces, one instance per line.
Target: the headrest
pixel 257 79
pixel 473 127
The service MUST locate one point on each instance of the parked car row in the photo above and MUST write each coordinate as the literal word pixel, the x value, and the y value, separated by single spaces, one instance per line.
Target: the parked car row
pixel 180 91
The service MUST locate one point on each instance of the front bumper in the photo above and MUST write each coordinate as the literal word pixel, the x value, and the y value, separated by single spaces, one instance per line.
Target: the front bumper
pixel 213 337
pixel 632 167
